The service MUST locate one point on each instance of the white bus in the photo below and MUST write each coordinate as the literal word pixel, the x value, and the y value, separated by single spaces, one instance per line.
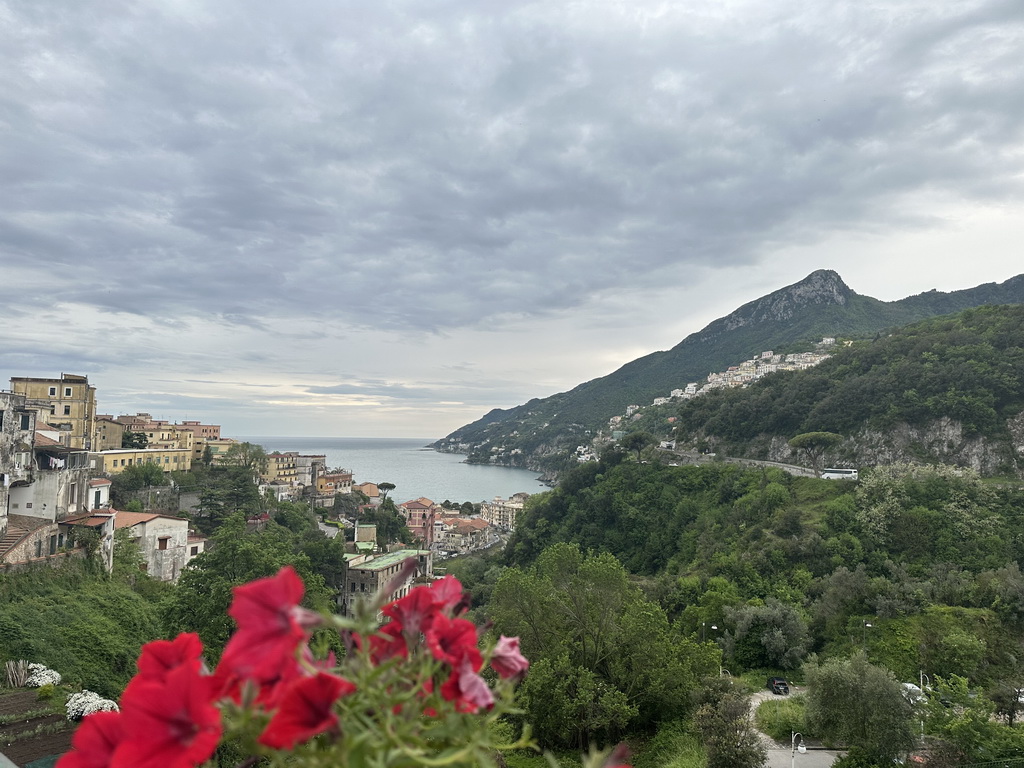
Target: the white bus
pixel 838 474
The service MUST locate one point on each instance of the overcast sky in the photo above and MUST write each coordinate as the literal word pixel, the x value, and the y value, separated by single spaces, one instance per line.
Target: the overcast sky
pixel 352 218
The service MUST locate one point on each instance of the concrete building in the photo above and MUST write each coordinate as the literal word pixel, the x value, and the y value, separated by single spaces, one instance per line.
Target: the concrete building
pixel 109 433
pixel 365 575
pixel 163 541
pixel 168 459
pixel 67 403
pixel 502 513
pixel 206 431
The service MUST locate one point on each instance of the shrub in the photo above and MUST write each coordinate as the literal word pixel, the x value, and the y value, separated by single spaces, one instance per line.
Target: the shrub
pixel 40 675
pixel 85 703
pixel 45 692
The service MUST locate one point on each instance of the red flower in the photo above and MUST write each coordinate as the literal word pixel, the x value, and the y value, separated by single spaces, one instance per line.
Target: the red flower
pixel 388 642
pixel 168 724
pixel 306 709
pixel 414 612
pixel 94 742
pixel 271 627
pixel 506 659
pixel 161 656
pixel 451 640
pixel 467 689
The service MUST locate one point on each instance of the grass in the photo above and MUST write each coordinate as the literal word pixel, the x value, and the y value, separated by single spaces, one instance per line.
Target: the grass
pixel 781 717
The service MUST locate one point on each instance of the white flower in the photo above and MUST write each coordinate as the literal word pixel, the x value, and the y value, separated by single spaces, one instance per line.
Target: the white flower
pixel 85 703
pixel 40 675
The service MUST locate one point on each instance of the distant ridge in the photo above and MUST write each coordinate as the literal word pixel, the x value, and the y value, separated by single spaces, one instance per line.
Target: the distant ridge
pixel 537 433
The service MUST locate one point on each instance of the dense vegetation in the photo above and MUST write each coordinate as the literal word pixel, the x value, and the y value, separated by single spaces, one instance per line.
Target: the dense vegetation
pixel 965 367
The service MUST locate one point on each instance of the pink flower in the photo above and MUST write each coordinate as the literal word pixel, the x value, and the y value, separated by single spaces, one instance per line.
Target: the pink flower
pixel 467 689
pixel 170 723
pixel 306 709
pixel 448 595
pixel 506 659
pixel 94 742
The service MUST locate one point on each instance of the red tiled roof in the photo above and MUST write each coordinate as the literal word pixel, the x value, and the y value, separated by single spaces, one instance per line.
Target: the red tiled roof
pixel 98 481
pixel 42 440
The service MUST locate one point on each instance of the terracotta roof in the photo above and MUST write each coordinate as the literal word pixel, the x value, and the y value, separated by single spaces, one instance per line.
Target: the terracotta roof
pixel 97 481
pixel 128 519
pixel 42 441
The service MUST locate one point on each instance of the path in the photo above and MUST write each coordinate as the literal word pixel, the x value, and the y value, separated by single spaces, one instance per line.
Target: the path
pixel 781 755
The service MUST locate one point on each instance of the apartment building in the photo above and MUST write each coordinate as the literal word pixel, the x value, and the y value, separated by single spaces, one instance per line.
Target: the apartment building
pixel 67 403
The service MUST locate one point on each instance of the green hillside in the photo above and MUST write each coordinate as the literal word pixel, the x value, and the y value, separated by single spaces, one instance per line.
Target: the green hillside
pixel 820 305
pixel 968 368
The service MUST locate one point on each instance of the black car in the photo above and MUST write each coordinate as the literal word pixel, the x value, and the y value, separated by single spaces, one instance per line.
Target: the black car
pixel 778 686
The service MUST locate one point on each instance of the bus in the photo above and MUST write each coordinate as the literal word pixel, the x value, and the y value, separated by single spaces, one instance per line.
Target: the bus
pixel 838 474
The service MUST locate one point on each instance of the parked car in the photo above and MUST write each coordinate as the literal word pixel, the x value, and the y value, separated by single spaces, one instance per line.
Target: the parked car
pixel 778 686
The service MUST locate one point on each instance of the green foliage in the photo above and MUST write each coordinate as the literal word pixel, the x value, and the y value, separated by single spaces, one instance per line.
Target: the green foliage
pixel 135 478
pixel 237 555
pixel 248 456
pixel 604 659
pixel 781 717
pixel 773 635
pixel 724 724
pixel 675 745
pixel 854 703
pixel 134 440
pixel 85 625
pixel 963 367
pixel 45 692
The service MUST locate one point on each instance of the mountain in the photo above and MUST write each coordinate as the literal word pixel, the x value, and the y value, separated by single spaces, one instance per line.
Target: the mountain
pixel 539 432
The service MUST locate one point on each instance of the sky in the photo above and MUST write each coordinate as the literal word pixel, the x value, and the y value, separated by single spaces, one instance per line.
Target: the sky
pixel 351 218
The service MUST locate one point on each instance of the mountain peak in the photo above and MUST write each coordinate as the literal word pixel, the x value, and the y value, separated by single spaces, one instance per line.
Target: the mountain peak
pixel 823 286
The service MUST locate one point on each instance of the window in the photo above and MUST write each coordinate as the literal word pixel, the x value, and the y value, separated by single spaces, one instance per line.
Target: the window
pixel 39 548
pixel 26 421
pixel 67 391
pixel 67 410
pixel 53 391
pixel 162 542
pixel 194 550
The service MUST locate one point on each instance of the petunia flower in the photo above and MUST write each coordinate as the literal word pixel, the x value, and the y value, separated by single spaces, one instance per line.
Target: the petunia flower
pixel 506 659
pixel 451 640
pixel 271 628
pixel 388 642
pixel 306 709
pixel 448 595
pixel 467 689
pixel 94 742
pixel 161 656
pixel 414 612
pixel 168 724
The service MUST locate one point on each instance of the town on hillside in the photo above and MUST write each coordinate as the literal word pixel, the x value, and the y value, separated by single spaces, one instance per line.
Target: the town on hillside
pixel 735 376
pixel 58 458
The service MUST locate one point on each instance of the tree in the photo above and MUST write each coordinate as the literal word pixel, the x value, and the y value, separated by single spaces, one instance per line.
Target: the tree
pixel 771 635
pixel 637 441
pixel 853 702
pixel 725 726
pixel 249 455
pixel 385 489
pixel 814 445
pixel 594 637
pixel 130 480
pixel 134 440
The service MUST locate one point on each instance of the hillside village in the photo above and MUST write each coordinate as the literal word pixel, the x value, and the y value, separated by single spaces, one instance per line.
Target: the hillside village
pixel 58 457
pixel 735 376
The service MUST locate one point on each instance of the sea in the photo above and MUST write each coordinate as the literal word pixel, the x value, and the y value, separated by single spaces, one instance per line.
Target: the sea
pixel 415 469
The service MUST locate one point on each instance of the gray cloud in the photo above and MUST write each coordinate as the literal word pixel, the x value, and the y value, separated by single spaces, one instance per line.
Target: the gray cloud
pixel 235 170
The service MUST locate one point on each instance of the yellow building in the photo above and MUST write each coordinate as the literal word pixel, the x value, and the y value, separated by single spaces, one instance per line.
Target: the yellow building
pixel 109 433
pixel 67 403
pixel 281 468
pixel 168 459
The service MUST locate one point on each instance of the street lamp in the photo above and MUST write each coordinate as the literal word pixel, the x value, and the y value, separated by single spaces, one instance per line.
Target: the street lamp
pixel 703 625
pixel 796 747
